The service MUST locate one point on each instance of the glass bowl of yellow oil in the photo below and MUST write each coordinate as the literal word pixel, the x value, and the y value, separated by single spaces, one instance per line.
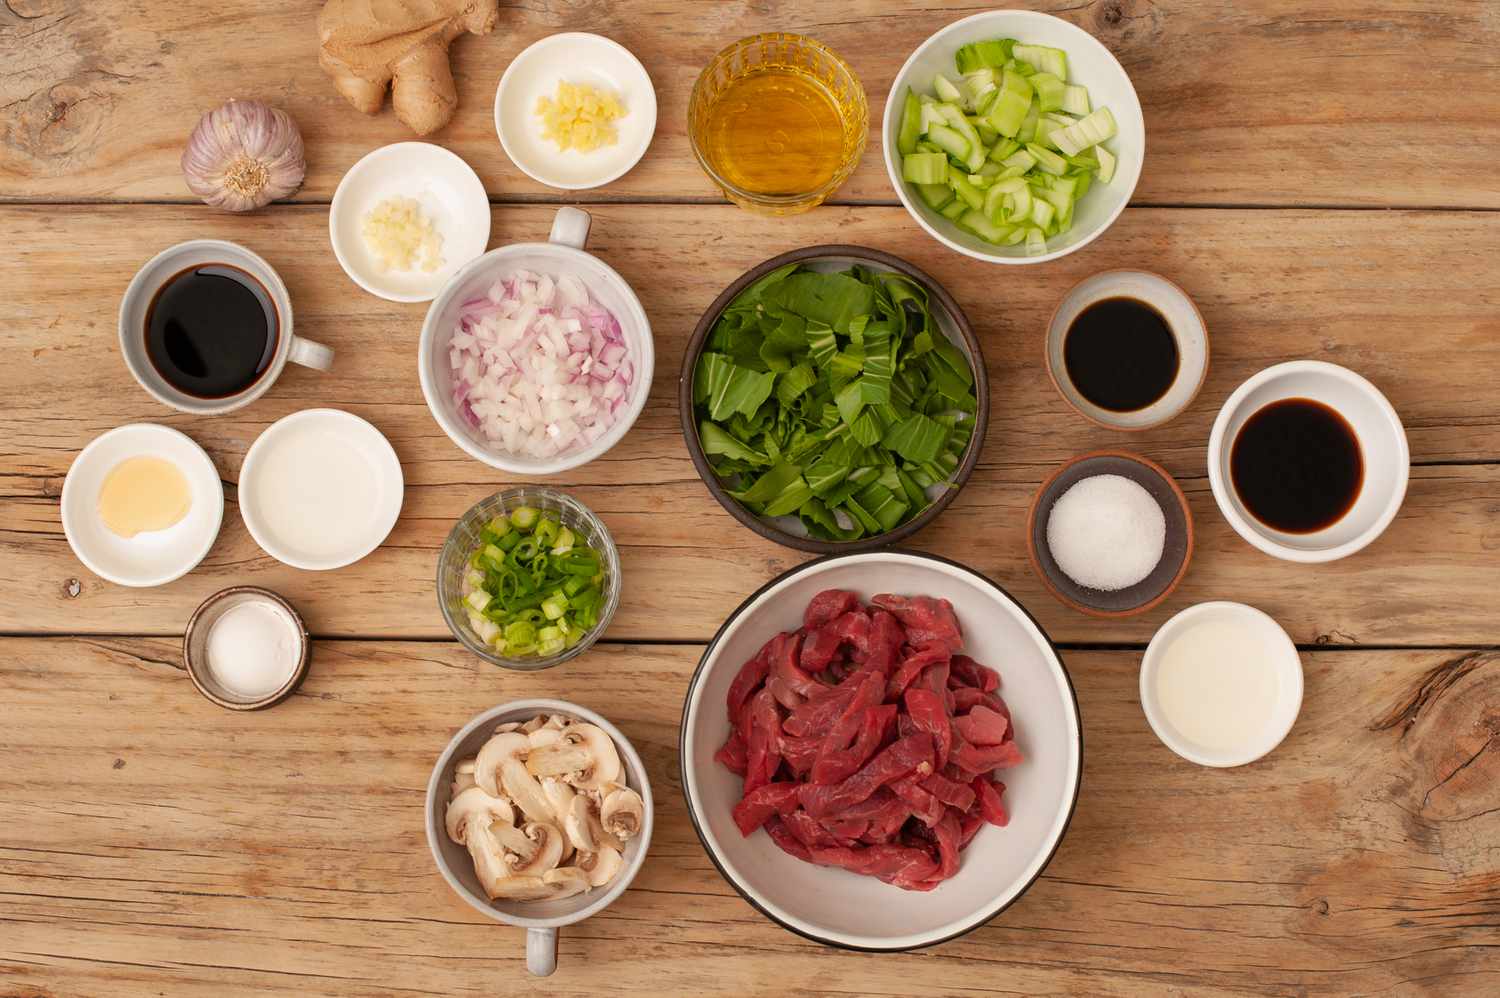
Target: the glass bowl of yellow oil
pixel 778 121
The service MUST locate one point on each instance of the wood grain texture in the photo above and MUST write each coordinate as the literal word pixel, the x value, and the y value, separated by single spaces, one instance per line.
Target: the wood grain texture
pixel 166 846
pixel 1281 102
pixel 1272 286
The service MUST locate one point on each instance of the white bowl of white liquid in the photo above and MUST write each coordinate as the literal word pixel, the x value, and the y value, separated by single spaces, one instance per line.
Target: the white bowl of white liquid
pixel 320 489
pixel 1221 684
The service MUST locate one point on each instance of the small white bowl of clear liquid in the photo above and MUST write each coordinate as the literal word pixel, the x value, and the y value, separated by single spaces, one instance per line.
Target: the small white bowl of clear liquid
pixel 1221 684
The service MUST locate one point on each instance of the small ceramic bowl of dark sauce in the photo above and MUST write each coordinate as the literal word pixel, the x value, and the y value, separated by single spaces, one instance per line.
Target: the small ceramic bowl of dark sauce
pixel 1128 349
pixel 1177 546
pixel 1308 461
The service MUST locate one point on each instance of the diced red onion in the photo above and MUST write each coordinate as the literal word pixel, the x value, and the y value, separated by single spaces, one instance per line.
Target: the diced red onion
pixel 539 367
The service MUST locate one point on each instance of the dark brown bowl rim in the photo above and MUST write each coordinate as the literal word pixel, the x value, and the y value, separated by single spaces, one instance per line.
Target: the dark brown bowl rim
pixel 685 407
pixel 1036 562
pixel 1208 353
pixel 271 699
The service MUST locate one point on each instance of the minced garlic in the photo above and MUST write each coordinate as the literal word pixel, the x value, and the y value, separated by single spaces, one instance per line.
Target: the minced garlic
pixel 580 117
pixel 402 237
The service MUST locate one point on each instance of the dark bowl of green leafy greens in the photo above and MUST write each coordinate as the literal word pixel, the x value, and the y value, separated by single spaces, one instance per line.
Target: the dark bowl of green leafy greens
pixel 834 399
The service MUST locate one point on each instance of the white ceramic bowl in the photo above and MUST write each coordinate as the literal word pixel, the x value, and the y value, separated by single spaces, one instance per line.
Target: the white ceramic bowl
pixel 540 919
pixel 577 57
pixel 844 909
pixel 1382 444
pixel 369 517
pixel 450 194
pixel 562 254
pixel 1089 64
pixel 1182 318
pixel 1282 658
pixel 157 557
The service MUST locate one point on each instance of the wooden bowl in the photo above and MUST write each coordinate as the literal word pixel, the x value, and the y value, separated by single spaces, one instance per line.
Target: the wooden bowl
pixel 1176 552
pixel 948 315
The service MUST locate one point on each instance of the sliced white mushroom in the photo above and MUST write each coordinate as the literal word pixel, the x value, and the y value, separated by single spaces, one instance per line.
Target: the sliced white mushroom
pixel 536 722
pixel 602 866
pixel 585 756
pixel 566 881
pixel 579 822
pixel 508 726
pixel 490 866
pixel 623 813
pixel 558 721
pixel 522 889
pixel 465 766
pixel 531 850
pixel 544 736
pixel 474 803
pixel 500 770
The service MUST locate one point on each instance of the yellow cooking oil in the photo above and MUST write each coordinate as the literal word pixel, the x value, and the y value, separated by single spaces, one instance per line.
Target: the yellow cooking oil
pixel 776 131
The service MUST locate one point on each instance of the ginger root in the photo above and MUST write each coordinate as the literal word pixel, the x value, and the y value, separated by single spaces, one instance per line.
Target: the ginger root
pixel 367 45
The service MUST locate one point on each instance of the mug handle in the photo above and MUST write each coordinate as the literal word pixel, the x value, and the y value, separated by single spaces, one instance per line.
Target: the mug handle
pixel 570 226
pixel 541 944
pixel 310 353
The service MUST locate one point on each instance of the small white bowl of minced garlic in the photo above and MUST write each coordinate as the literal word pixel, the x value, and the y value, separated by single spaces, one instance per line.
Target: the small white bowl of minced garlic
pixel 405 218
pixel 575 111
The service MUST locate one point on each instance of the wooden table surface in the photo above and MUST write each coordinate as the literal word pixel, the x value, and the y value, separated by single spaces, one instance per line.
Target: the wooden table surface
pixel 1321 179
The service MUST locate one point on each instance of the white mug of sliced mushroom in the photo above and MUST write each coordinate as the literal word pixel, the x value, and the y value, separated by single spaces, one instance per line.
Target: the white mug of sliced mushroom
pixel 539 815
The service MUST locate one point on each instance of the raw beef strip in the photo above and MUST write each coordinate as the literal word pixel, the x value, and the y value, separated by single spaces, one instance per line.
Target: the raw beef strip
pixel 761 756
pixel 826 605
pixel 788 842
pixel 732 754
pixel 751 675
pixel 971 673
pixel 757 807
pixel 912 665
pixel 982 726
pixel 991 804
pixel 901 758
pixel 925 619
pixel 836 765
pixel 929 713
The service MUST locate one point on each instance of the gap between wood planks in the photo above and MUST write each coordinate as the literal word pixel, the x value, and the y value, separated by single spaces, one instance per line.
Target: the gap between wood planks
pixel 606 200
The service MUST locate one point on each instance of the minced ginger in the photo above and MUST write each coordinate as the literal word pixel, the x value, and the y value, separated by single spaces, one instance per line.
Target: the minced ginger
pixel 402 237
pixel 581 116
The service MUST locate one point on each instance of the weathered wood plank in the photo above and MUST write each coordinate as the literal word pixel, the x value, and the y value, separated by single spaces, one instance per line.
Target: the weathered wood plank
pixel 159 844
pixel 1280 102
pixel 1271 285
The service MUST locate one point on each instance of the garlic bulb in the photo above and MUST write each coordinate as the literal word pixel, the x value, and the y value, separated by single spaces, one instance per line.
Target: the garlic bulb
pixel 243 155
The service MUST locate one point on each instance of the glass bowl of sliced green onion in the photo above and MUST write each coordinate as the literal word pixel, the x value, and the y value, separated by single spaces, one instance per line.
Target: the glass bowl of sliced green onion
pixel 528 578
pixel 1013 136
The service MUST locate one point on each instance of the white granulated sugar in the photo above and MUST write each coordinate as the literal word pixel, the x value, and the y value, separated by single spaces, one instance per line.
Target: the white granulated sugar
pixel 1106 532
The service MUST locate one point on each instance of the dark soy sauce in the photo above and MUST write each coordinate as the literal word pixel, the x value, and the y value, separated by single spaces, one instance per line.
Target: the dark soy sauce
pixel 1120 354
pixel 211 330
pixel 1296 466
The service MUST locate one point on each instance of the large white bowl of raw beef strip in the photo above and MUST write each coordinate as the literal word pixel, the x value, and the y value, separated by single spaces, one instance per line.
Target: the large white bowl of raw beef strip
pixel 844 909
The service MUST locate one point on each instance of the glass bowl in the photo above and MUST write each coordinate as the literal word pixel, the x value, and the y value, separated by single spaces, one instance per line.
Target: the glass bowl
pixel 786 53
pixel 464 538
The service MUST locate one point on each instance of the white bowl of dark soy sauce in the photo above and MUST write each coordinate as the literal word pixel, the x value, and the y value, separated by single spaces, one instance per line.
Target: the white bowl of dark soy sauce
pixel 1128 349
pixel 1308 461
pixel 206 327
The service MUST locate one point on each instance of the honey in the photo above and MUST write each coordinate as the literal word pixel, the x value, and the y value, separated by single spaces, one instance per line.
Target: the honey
pixel 775 132
pixel 142 494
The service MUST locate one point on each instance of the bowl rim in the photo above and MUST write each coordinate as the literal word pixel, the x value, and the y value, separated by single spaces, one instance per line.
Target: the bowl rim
pixel 1052 373
pixel 686 407
pixel 194 667
pixel 1288 665
pixel 692 805
pixel 80 550
pixel 1052 587
pixel 440 776
pixel 1222 489
pixel 368 162
pixel 579 38
pixel 645 366
pixel 887 141
pixel 250 514
pixel 538 664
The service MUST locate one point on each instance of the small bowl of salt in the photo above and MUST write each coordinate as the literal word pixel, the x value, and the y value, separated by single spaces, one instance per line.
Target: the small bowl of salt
pixel 245 648
pixel 1110 534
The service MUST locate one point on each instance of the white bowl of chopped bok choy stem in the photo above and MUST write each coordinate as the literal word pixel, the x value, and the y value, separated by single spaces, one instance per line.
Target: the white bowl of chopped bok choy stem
pixel 1013 136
